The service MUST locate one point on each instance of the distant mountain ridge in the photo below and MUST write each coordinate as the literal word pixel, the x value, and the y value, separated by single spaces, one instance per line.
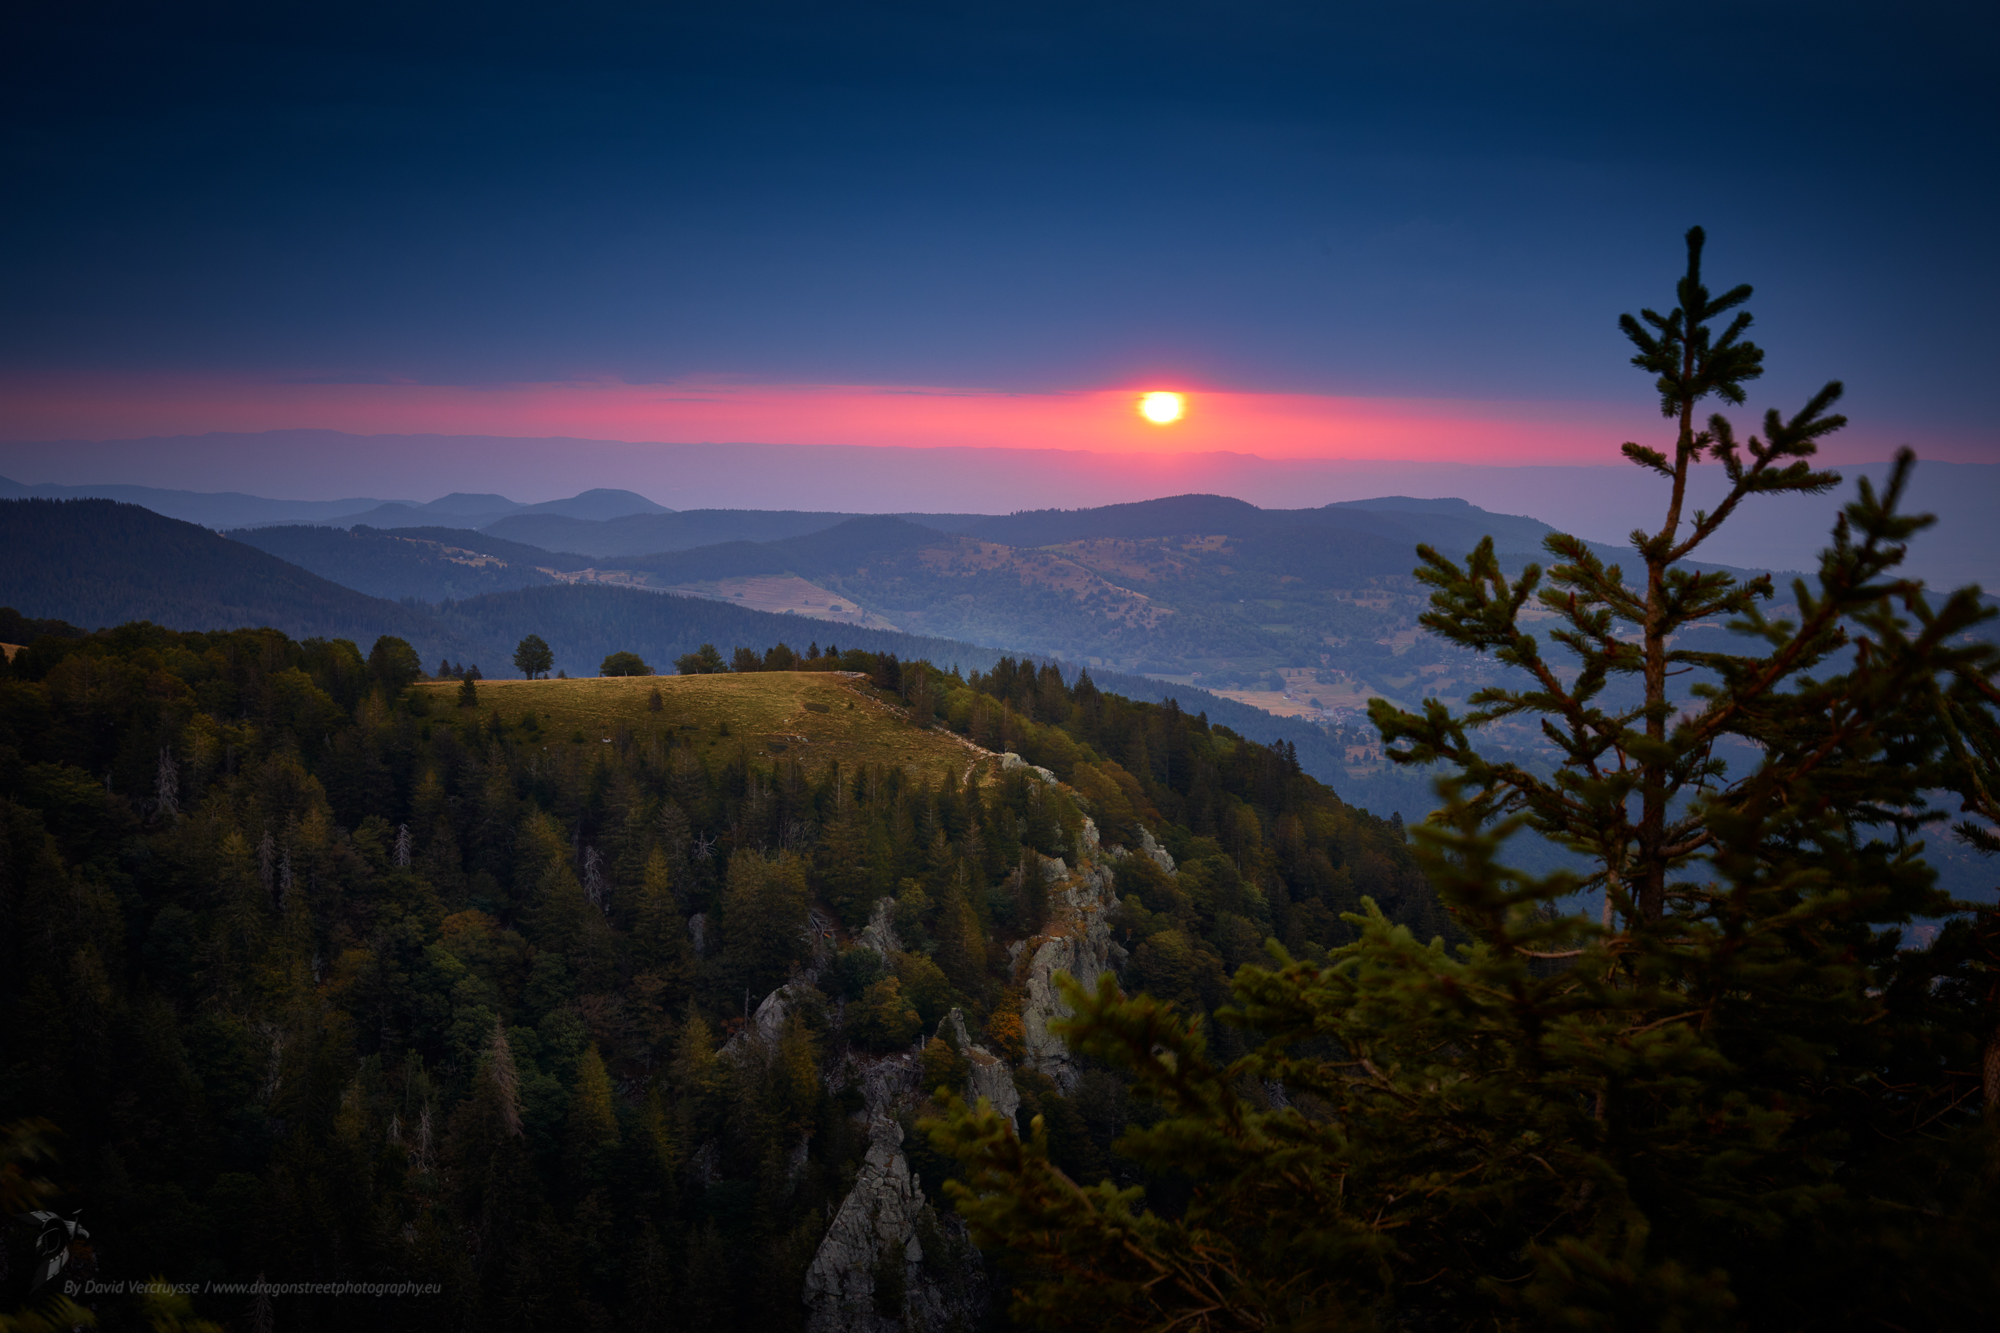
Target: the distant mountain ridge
pixel 1602 500
pixel 233 509
pixel 96 563
pixel 428 564
pixel 688 529
pixel 93 563
pixel 211 509
pixel 480 511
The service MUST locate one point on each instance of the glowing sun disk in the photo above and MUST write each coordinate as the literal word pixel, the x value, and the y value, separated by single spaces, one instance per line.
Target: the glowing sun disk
pixel 1161 408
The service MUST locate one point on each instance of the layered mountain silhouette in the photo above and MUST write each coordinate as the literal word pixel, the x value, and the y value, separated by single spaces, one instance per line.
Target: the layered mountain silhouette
pixel 98 562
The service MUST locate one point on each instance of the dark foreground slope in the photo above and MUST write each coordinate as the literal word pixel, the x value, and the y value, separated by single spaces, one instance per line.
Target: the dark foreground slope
pixel 326 981
pixel 97 562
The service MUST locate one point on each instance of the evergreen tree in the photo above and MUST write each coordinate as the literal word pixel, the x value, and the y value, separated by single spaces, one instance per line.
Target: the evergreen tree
pixel 704 661
pixel 763 919
pixel 593 1121
pixel 1727 1098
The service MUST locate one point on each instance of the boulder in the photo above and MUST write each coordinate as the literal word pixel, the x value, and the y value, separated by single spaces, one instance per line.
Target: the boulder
pixel 889 1084
pixel 992 1081
pixel 1089 838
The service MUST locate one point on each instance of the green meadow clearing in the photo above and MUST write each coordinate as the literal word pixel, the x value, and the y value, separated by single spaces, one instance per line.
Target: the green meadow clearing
pixel 815 717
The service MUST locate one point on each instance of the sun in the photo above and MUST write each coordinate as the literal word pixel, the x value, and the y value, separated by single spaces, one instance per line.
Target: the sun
pixel 1161 408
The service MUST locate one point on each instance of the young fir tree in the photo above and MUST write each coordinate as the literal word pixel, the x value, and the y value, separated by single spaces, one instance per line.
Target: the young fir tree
pixel 1728 1097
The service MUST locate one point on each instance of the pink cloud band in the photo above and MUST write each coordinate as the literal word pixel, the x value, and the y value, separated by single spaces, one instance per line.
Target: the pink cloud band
pixel 1269 425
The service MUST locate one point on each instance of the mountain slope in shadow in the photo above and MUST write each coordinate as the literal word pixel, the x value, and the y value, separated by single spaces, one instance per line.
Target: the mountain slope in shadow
pixel 98 562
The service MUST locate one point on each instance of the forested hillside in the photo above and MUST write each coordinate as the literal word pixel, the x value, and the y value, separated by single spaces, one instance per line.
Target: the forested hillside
pixel 429 564
pixel 323 972
pixel 90 562
pixel 98 562
pixel 585 624
pixel 1202 587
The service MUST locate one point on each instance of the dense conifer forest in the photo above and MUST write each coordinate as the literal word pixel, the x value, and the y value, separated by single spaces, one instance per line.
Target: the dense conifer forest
pixel 315 972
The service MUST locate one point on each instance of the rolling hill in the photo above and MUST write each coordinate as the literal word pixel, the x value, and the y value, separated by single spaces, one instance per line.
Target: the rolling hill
pixel 815 717
pixel 584 625
pixel 98 562
pixel 650 534
pixel 94 562
pixel 233 509
pixel 1185 586
pixel 1197 587
pixel 478 511
pixel 427 563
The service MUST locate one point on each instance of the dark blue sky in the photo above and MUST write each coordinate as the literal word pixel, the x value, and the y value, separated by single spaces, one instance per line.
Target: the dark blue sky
pixel 1423 199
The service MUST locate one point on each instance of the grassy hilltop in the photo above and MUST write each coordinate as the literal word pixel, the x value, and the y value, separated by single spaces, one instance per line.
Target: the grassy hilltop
pixel 814 717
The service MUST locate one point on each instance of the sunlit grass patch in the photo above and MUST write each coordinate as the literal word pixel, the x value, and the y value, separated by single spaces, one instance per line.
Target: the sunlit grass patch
pixel 811 716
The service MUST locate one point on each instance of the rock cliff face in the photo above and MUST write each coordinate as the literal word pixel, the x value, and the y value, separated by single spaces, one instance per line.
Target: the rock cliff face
pixel 880 932
pixel 989 1078
pixel 769 1020
pixel 890 1260
pixel 1078 941
pixel 875 1229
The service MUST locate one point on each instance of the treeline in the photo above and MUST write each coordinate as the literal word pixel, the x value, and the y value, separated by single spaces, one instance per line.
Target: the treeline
pixel 583 624
pixel 319 978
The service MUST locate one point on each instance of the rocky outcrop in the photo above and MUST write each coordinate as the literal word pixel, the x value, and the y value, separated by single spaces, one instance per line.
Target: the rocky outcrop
pixel 876 1227
pixel 1088 837
pixel 1078 941
pixel 891 1261
pixel 889 1084
pixel 1011 761
pixel 992 1081
pixel 1148 847
pixel 880 932
pixel 989 1078
pixel 769 1020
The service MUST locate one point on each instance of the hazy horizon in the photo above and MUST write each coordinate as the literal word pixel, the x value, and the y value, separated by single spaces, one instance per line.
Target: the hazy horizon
pixel 1601 501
